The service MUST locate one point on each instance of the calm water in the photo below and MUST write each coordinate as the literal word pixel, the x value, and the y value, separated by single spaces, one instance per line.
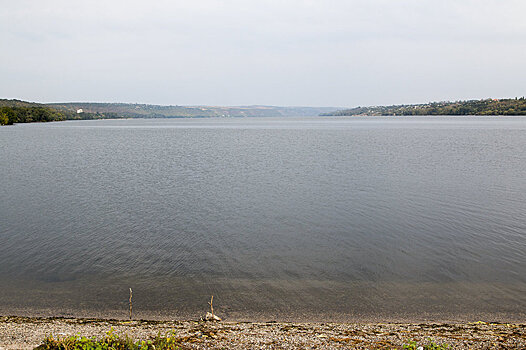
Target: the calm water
pixel 319 218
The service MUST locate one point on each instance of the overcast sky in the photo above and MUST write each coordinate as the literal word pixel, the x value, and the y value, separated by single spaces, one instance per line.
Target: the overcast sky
pixel 243 52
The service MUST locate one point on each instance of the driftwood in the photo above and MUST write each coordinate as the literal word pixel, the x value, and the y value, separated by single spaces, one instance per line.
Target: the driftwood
pixel 210 315
pixel 131 303
pixel 211 303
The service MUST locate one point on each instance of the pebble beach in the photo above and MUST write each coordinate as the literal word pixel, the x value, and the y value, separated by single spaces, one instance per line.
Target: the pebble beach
pixel 28 332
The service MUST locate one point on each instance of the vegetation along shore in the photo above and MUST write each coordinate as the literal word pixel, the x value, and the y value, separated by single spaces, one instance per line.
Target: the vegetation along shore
pixel 74 333
pixel 17 111
pixel 515 106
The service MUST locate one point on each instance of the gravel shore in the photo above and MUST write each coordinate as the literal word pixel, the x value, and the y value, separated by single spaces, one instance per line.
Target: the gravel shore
pixel 27 333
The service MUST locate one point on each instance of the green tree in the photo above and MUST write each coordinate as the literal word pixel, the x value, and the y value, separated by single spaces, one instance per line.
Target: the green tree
pixel 4 119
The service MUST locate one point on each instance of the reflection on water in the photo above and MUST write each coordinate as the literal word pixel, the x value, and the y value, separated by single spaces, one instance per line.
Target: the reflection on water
pixel 353 216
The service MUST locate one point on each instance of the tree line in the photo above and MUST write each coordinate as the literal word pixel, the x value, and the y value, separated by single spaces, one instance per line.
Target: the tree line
pixel 516 106
pixel 29 114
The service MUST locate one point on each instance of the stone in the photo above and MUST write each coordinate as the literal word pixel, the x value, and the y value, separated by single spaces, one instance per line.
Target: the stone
pixel 210 317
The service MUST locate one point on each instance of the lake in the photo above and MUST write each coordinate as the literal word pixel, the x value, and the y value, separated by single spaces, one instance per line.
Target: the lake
pixel 323 218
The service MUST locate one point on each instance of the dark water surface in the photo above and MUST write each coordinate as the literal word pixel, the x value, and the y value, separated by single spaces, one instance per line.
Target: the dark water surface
pixel 315 218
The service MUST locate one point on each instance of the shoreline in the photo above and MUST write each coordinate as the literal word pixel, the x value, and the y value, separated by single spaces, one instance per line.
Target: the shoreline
pixel 283 316
pixel 18 332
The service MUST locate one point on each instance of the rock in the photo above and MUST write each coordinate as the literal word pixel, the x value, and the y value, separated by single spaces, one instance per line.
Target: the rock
pixel 210 317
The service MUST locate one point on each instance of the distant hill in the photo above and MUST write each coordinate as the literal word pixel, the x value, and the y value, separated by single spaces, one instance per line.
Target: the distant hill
pixel 516 106
pixel 17 111
pixel 19 103
pixel 129 110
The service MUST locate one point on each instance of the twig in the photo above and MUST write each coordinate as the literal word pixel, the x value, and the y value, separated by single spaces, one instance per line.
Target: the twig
pixel 131 303
pixel 211 303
